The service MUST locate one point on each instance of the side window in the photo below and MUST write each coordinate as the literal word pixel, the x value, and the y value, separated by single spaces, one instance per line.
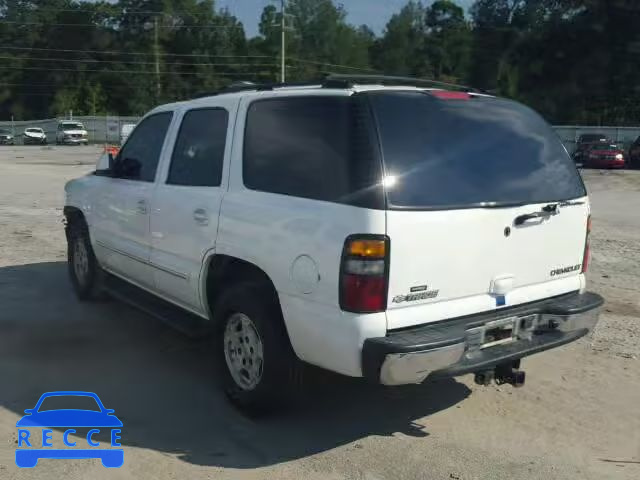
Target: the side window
pixel 138 159
pixel 198 154
pixel 312 147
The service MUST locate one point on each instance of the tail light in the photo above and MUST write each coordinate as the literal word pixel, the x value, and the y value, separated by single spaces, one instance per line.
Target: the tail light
pixel 587 249
pixel 364 274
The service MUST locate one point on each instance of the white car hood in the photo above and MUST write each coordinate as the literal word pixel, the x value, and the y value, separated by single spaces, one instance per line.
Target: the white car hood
pixel 75 132
pixel 34 134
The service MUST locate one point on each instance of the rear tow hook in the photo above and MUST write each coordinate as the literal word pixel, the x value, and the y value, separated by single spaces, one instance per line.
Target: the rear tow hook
pixel 502 374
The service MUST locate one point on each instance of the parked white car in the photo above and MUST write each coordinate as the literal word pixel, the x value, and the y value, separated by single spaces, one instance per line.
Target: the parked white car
pixel 71 133
pixel 6 137
pixel 388 232
pixel 34 136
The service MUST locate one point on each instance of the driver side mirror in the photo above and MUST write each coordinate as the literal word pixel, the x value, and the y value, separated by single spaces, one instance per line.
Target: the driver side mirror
pixel 107 166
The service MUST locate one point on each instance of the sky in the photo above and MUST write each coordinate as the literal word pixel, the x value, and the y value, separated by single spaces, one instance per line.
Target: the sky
pixel 375 13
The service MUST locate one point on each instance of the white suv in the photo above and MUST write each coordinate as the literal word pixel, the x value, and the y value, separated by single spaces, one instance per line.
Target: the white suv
pixel 367 226
pixel 71 133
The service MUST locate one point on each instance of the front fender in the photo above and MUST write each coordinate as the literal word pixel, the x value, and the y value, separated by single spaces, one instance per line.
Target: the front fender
pixel 79 194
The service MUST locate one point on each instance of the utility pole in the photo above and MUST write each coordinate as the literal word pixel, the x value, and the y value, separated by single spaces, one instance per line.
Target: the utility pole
pixel 283 47
pixel 156 51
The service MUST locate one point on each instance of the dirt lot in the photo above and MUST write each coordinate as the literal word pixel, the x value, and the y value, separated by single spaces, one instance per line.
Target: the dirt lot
pixel 577 418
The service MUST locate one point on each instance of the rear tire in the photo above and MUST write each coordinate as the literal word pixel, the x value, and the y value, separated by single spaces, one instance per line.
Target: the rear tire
pixel 259 368
pixel 86 275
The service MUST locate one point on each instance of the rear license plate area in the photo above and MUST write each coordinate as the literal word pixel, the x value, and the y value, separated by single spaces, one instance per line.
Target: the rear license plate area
pixel 499 332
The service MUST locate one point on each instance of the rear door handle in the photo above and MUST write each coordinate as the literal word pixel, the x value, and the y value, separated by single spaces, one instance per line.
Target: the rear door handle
pixel 201 217
pixel 547 211
pixel 529 216
pixel 142 207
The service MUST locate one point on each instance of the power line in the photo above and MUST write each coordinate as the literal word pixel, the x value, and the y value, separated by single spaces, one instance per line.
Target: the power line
pixel 120 52
pixel 337 65
pixel 123 11
pixel 92 60
pixel 190 64
pixel 138 72
pixel 44 85
pixel 96 25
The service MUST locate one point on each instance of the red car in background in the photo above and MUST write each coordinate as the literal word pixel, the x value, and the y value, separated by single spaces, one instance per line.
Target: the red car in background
pixel 585 142
pixel 604 156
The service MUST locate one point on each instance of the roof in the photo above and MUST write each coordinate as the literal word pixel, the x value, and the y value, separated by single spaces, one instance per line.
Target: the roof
pixel 330 85
pixel 354 83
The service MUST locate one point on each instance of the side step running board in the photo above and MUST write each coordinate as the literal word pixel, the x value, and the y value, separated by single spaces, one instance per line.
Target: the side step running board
pixel 186 322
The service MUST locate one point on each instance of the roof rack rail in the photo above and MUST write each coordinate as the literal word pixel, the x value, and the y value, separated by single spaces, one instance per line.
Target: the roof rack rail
pixel 250 86
pixel 349 80
pixel 339 81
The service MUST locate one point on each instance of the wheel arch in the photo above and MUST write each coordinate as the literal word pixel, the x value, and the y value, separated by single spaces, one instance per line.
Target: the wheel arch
pixel 72 214
pixel 221 270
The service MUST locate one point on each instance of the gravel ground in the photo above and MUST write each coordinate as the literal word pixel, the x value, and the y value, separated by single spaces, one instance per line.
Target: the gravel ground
pixel 577 418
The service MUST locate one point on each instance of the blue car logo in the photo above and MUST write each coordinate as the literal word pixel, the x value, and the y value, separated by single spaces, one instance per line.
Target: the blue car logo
pixel 27 455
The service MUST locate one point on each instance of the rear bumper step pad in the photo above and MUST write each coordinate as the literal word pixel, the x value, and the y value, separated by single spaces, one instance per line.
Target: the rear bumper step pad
pixel 455 347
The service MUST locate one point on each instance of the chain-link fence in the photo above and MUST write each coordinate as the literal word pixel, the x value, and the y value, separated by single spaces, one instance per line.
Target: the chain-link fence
pixel 109 130
pixel 101 129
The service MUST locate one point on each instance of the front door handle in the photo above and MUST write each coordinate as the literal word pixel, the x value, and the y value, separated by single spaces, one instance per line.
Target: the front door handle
pixel 201 217
pixel 142 207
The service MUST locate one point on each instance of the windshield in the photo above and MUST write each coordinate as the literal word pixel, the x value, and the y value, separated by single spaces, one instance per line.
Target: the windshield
pixel 34 130
pixel 72 126
pixel 5 132
pixel 456 153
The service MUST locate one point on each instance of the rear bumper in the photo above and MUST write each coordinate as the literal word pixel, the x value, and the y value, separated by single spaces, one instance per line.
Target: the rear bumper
pixel 454 347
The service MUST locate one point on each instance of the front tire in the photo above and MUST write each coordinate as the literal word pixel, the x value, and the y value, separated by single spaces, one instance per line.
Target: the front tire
pixel 259 368
pixel 84 271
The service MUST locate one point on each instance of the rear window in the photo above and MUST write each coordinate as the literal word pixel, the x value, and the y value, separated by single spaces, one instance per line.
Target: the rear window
pixel 463 153
pixel 319 148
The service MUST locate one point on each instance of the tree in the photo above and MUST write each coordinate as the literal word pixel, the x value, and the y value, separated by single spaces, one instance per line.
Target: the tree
pixel 319 39
pixel 448 40
pixel 401 49
pixel 576 61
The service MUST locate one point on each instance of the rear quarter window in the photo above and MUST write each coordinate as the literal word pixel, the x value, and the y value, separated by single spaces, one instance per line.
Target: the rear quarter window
pixel 319 148
pixel 482 151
